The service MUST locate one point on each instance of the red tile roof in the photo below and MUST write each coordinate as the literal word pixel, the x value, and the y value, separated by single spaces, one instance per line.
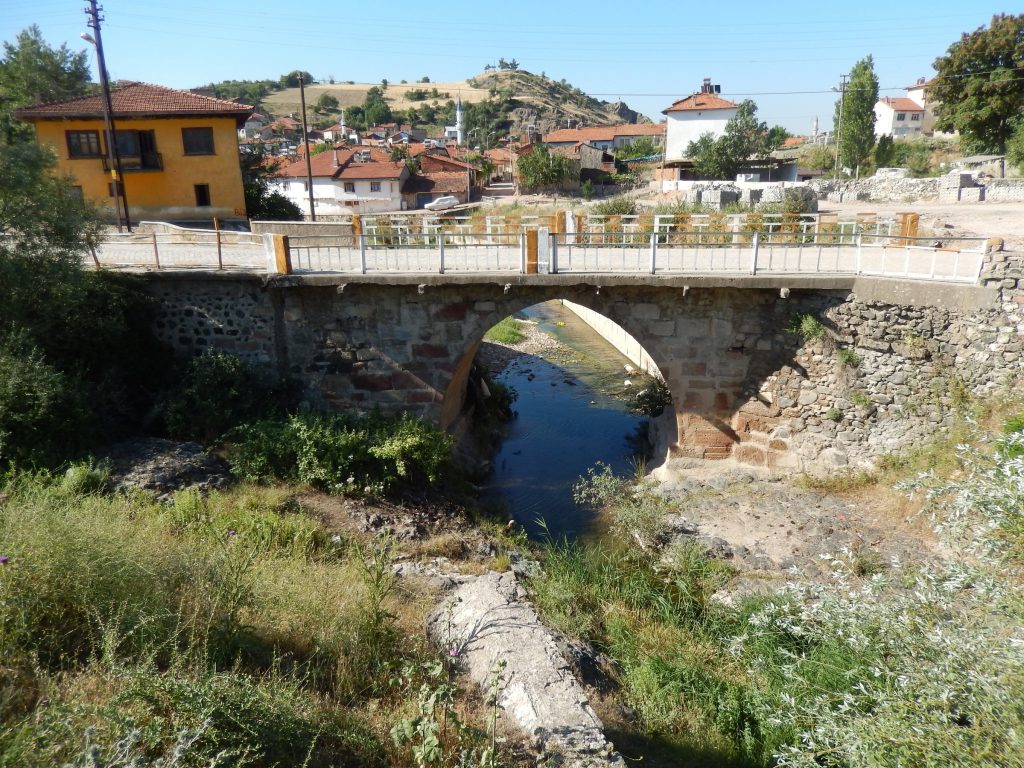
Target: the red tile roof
pixel 793 141
pixel 340 164
pixel 902 104
pixel 603 132
pixel 133 99
pixel 640 129
pixel 387 170
pixel 700 101
pixel 431 162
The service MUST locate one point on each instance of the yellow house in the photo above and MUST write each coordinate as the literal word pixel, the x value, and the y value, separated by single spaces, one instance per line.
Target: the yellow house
pixel 179 150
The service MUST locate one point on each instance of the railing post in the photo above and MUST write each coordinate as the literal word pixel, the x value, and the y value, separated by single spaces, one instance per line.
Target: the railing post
pixel 531 252
pixel 362 254
pixel 756 248
pixel 906 259
pixel 282 255
pixel 553 267
pixel 522 253
pixel 859 243
pixel 220 256
pixel 654 252
pixel 544 249
pixel 440 249
pixel 156 251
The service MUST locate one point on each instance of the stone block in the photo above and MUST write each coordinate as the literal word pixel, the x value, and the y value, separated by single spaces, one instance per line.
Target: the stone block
pixel 646 311
pixel 749 454
pixel 972 194
pixel 455 311
pixel 435 351
pixel 717 454
pixel 372 382
pixel 712 438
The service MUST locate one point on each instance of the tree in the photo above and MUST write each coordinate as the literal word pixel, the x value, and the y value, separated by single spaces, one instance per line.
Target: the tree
pixel 1015 146
pixel 744 139
pixel 261 202
pixel 642 147
pixel 542 168
pixel 77 357
pixel 291 80
pixel 777 136
pixel 32 72
pixel 979 88
pixel 855 114
pixel 326 102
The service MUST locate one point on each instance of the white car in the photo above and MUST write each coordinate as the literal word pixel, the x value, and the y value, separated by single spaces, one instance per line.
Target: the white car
pixel 441 203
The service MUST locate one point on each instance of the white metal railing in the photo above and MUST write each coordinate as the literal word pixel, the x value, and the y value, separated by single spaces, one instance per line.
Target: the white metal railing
pixel 433 251
pixel 181 248
pixel 409 253
pixel 954 260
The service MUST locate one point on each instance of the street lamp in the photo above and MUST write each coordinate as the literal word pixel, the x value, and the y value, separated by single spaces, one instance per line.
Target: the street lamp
pixel 113 154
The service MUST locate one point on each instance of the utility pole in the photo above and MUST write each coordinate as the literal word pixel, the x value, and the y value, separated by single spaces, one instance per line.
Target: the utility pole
pixel 113 154
pixel 305 140
pixel 839 128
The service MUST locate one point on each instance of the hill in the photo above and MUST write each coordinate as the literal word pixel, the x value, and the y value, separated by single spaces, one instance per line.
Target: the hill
pixel 528 99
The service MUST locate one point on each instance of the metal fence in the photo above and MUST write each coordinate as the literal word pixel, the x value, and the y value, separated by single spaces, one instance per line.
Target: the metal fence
pixel 409 252
pixel 181 249
pixel 954 260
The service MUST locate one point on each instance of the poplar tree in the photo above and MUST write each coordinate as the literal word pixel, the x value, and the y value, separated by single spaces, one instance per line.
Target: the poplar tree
pixel 855 114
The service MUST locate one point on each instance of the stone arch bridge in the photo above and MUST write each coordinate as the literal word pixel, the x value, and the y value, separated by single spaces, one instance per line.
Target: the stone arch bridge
pixel 743 386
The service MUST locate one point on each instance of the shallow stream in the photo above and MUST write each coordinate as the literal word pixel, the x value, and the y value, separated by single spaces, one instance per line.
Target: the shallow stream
pixel 568 420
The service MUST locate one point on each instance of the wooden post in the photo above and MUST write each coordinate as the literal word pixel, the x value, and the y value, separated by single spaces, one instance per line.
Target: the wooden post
pixel 357 225
pixel 282 255
pixel 531 251
pixel 156 252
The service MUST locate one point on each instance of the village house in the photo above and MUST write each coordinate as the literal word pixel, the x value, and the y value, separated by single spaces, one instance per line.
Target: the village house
pixel 606 137
pixel 179 150
pixel 344 181
pixel 692 117
pixel 257 126
pixel 899 117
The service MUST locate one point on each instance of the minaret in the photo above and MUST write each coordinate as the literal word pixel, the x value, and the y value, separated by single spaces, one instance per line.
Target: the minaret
pixel 814 127
pixel 458 120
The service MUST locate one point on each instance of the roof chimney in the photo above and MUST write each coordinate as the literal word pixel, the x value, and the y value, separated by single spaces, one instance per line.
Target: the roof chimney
pixel 706 88
pixel 336 163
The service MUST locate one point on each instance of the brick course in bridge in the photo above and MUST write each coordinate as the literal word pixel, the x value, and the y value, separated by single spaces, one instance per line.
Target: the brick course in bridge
pixel 740 381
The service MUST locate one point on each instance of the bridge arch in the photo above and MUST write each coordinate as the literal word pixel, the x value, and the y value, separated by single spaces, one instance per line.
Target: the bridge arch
pixel 705 380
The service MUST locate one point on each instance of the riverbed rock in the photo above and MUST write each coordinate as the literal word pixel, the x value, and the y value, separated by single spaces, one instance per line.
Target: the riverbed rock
pixel 489 620
pixel 165 466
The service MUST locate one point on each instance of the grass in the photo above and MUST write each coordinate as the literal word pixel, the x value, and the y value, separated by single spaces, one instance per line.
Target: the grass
pixel 228 629
pixel 507 331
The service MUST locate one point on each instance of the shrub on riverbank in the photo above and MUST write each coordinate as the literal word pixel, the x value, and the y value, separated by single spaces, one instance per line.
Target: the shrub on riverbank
pixel 507 331
pixel 340 453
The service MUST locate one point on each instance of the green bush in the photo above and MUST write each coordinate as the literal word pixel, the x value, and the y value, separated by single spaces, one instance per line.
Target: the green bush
pixel 847 358
pixel 340 453
pixel 808 327
pixel 507 331
pixel 42 416
pixel 620 205
pixel 218 391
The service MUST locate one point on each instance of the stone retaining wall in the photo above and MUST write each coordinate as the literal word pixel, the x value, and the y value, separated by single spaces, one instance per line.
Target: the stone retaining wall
pixel 908 190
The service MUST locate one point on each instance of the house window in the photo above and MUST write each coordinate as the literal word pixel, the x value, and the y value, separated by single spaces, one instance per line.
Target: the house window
pixel 915 117
pixel 901 116
pixel 202 195
pixel 83 143
pixel 197 141
pixel 375 186
pixel 350 187
pixel 76 192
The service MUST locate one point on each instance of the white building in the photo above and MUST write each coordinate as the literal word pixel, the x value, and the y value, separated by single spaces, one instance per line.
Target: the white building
pixel 343 183
pixel 697 114
pixel 898 117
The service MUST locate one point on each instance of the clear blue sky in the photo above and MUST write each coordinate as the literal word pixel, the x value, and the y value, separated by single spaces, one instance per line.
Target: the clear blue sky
pixel 784 55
